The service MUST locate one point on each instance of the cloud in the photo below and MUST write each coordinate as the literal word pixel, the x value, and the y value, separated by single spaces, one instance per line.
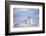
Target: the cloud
pixel 23 9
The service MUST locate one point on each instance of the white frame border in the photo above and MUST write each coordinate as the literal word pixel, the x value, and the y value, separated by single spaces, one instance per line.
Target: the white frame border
pixel 25 29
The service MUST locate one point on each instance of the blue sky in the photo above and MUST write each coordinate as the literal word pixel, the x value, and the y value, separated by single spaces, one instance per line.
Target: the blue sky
pixel 20 14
